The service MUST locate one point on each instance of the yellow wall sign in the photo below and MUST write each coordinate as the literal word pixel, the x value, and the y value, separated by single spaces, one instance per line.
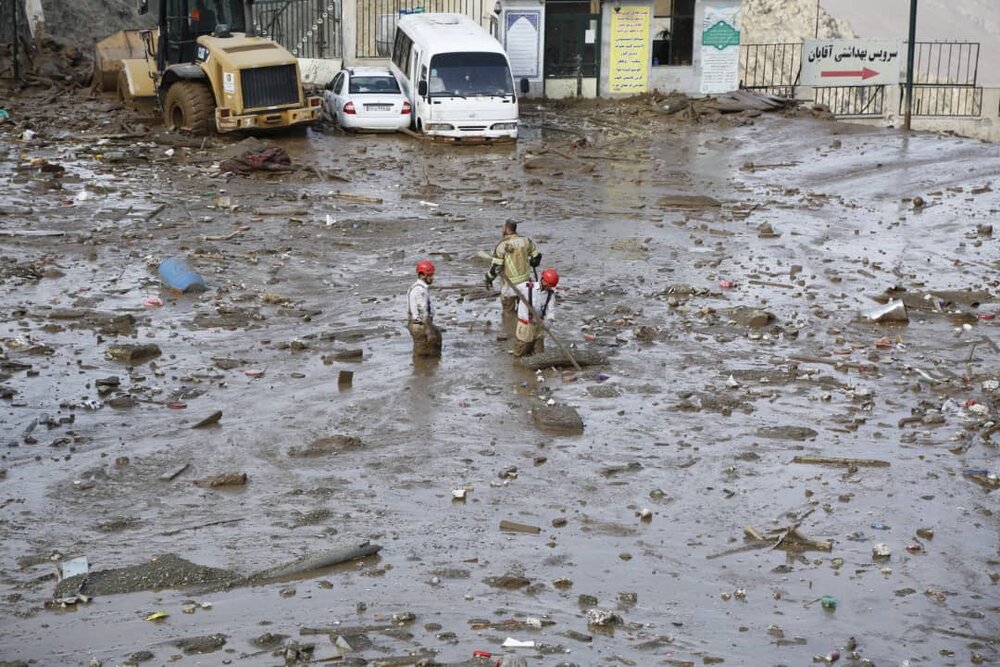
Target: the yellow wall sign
pixel 629 50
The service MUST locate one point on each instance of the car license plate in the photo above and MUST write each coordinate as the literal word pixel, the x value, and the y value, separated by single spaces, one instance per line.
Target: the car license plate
pixel 378 107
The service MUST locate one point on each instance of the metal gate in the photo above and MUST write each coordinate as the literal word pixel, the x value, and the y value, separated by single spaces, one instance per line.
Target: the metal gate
pixel 944 77
pixel 307 28
pixel 17 49
pixel 376 24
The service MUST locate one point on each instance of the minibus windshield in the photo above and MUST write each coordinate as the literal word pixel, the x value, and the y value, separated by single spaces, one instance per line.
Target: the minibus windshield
pixel 469 75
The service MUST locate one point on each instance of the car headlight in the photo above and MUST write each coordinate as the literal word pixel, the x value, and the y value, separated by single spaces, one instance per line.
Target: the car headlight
pixel 504 127
pixel 440 127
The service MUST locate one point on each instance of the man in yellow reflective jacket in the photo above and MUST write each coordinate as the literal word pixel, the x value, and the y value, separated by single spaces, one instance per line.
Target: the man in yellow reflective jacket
pixel 517 256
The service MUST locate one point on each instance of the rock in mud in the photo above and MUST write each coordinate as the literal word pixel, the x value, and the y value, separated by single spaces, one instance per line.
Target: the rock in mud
pixel 688 201
pixel 603 618
pixel 751 317
pixel 225 479
pixel 133 355
pixel 786 432
pixel 333 444
pixel 558 418
pixel 555 358
pixel 205 644
pixel 209 420
pixel 141 656
pixel 510 582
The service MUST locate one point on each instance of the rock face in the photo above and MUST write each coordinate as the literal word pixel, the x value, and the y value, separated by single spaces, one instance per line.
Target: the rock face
pixel 777 21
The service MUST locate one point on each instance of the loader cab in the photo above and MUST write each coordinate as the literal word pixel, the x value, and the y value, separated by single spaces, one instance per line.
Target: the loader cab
pixel 183 21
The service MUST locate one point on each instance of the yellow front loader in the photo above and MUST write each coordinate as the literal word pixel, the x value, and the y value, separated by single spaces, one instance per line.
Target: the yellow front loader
pixel 205 69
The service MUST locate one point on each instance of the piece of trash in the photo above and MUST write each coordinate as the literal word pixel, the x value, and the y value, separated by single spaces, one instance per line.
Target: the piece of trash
pixel 345 379
pixel 727 284
pixel 226 479
pixel 514 527
pixel 458 494
pixel 71 568
pixel 880 526
pixel 881 551
pixel 253 373
pixel 152 302
pixel 429 204
pixel 914 548
pixel 828 602
pixel 330 221
pixel 883 343
pixel 732 383
pixel 28 135
pixel 482 654
pixel 177 406
pixel 4 116
pixel 83 195
pixel 157 616
pixel 169 152
pixel 178 275
pixel 209 420
pixel 645 514
pixel 986 316
pixel 510 642
pixel 894 311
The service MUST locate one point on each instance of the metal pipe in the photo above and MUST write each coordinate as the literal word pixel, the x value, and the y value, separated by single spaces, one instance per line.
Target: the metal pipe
pixel 909 64
pixel 816 35
pixel 251 30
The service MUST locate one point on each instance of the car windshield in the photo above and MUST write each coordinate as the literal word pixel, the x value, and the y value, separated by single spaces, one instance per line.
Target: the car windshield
pixel 361 85
pixel 204 15
pixel 469 74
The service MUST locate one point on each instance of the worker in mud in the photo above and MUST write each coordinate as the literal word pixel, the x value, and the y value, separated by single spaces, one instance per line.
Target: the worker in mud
pixel 536 299
pixel 517 257
pixel 420 313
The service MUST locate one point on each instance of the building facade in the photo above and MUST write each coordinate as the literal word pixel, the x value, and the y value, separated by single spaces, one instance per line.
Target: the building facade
pixel 564 48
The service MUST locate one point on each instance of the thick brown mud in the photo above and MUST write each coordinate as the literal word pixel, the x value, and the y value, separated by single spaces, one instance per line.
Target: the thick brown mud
pixel 724 270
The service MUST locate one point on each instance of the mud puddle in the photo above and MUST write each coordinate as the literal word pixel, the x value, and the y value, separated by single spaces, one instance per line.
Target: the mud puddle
pixel 690 429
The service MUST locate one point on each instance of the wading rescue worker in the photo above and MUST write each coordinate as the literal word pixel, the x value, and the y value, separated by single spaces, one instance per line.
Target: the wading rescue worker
pixel 516 256
pixel 528 337
pixel 420 313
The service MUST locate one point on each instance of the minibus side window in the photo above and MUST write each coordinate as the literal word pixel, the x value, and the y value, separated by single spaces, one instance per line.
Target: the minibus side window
pixel 405 55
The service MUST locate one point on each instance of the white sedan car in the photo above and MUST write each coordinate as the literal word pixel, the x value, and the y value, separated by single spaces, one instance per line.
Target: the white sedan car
pixel 366 98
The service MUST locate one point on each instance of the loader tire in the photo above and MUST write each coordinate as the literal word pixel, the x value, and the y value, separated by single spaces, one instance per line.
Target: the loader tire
pixel 189 105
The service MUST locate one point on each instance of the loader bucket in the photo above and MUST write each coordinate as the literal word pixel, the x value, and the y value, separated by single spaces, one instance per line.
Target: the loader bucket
pixel 111 51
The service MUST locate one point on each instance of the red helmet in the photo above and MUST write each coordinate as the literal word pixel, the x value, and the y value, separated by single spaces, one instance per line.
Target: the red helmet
pixel 551 277
pixel 425 267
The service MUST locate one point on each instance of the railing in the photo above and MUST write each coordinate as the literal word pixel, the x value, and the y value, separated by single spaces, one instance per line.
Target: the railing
pixel 376 20
pixel 945 63
pixel 307 28
pixel 856 101
pixel 773 68
pixel 944 100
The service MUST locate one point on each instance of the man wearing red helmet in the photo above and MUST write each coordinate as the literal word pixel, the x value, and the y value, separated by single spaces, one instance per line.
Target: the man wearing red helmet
pixel 420 313
pixel 537 299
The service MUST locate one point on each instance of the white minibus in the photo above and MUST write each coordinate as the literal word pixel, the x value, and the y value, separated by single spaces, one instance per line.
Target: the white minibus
pixel 456 76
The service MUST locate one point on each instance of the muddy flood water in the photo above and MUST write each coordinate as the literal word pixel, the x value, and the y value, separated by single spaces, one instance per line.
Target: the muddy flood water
pixel 725 271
